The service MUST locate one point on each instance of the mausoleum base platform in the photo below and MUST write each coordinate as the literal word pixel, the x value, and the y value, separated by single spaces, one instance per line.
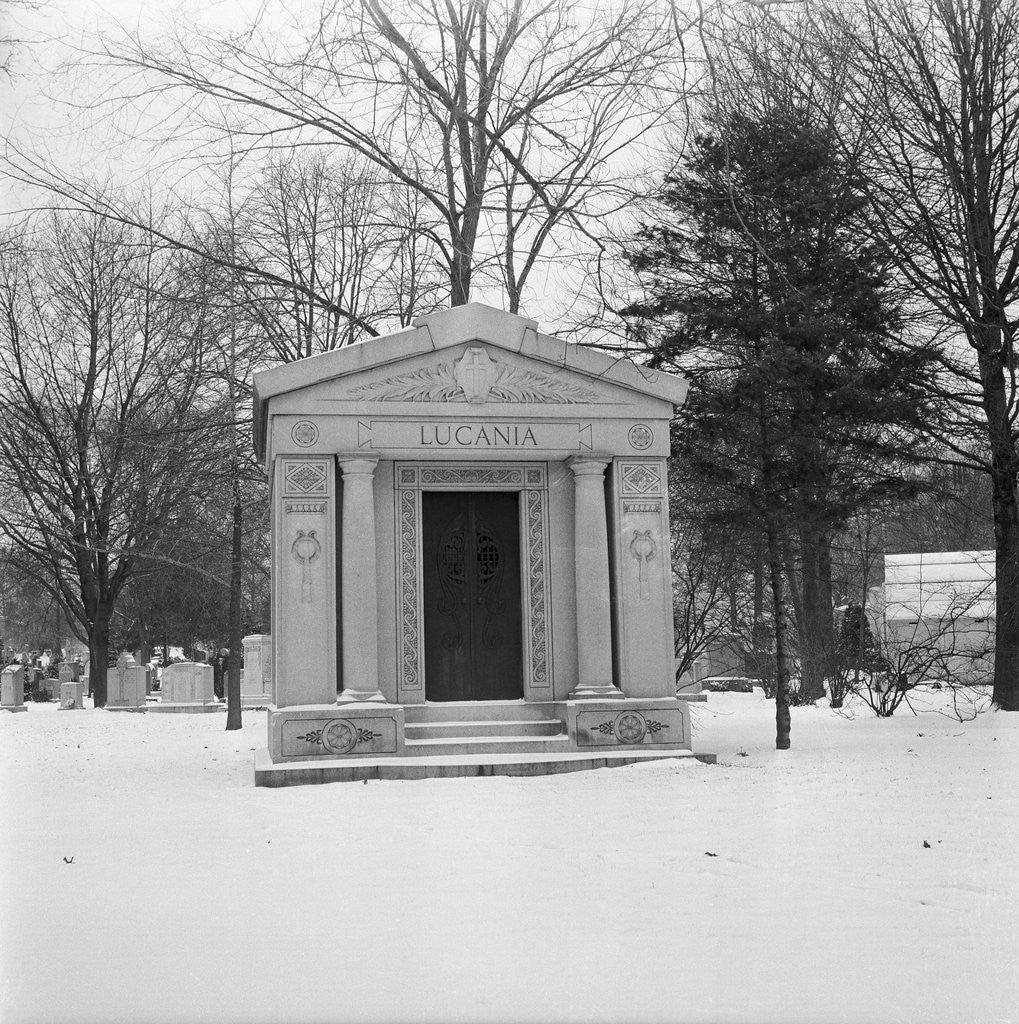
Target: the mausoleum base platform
pixel 305 773
pixel 13 707
pixel 353 742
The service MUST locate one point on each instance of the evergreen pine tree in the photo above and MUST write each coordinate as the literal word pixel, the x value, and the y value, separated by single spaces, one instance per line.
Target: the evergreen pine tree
pixel 762 289
pixel 857 647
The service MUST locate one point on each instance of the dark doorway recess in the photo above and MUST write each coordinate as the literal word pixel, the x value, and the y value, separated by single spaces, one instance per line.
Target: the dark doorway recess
pixel 473 640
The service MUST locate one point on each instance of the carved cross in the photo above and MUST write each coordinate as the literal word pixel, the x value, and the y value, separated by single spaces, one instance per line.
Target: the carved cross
pixel 475 373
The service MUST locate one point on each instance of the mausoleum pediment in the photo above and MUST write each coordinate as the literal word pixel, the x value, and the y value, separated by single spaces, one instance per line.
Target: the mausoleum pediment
pixel 476 377
pixel 469 360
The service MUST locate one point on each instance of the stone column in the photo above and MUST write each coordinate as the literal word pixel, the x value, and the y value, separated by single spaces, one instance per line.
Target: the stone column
pixel 591 556
pixel 359 620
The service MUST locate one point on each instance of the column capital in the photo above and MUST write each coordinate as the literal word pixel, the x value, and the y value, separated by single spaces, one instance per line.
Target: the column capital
pixel 357 465
pixel 588 465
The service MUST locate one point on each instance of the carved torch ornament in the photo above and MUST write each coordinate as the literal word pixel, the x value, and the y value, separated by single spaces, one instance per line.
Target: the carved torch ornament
pixel 643 549
pixel 305 549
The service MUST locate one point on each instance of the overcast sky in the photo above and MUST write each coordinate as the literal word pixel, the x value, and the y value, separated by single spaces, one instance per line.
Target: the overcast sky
pixel 47 109
pixel 65 112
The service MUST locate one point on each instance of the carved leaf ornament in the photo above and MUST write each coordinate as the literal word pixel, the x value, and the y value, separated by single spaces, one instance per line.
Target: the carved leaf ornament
pixel 486 379
pixel 425 385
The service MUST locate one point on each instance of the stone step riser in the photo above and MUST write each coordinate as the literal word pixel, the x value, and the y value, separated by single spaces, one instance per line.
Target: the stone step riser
pixel 505 745
pixel 490 711
pixel 448 730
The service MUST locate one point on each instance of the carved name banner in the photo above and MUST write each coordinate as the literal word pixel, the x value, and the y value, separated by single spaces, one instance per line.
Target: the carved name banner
pixel 451 435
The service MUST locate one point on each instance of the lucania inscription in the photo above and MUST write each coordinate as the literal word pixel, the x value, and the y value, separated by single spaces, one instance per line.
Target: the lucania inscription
pixel 449 435
pixel 477 435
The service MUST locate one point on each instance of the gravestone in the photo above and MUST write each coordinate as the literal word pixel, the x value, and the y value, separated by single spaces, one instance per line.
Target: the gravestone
pixel 12 689
pixel 187 686
pixel 69 672
pixel 125 685
pixel 256 676
pixel 72 696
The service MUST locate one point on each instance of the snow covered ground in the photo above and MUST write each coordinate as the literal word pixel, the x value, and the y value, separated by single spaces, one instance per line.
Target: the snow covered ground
pixel 775 886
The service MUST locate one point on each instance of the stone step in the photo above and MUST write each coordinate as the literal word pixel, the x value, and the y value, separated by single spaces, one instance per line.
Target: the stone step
pixel 489 710
pixel 484 727
pixel 456 745
pixel 299 773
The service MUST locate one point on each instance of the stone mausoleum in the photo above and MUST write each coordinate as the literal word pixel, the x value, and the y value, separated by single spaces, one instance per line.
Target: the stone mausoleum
pixel 471 560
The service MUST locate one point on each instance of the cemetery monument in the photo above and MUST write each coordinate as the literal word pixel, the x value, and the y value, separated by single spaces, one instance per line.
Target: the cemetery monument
pixel 471 560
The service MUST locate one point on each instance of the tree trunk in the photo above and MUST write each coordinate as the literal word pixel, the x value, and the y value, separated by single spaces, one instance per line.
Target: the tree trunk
pixel 826 605
pixel 811 617
pixel 1006 638
pixel 1006 526
pixel 144 642
pixel 98 656
pixel 460 280
pixel 233 681
pixel 759 633
pixel 782 720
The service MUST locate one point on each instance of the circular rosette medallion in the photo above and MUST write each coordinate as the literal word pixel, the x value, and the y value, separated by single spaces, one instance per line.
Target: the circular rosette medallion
pixel 641 437
pixel 305 433
pixel 630 727
pixel 339 737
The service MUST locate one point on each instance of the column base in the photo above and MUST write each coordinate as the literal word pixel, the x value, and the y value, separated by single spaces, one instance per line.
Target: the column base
pixel 603 691
pixel 361 697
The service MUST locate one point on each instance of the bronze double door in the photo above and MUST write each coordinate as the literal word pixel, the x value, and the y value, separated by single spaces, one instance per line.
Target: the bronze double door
pixel 472 606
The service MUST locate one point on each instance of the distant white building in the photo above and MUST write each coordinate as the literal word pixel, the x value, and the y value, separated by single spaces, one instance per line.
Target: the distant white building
pixel 938 612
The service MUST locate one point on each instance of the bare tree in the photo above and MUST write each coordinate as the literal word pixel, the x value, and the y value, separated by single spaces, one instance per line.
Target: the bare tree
pixel 11 36
pixel 710 591
pixel 100 412
pixel 932 91
pixel 331 230
pixel 939 636
pixel 479 108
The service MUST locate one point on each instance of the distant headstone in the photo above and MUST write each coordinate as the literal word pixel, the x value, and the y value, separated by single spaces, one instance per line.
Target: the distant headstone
pixel 188 682
pixel 256 677
pixel 12 689
pixel 72 696
pixel 75 650
pixel 728 684
pixel 125 684
pixel 69 672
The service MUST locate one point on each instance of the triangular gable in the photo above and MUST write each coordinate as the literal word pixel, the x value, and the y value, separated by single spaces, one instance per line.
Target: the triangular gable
pixel 465 355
